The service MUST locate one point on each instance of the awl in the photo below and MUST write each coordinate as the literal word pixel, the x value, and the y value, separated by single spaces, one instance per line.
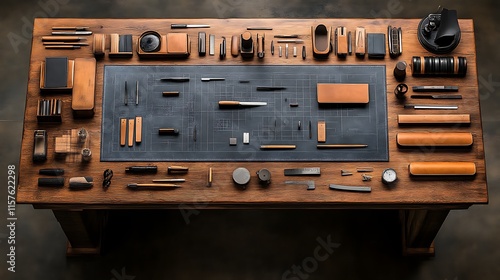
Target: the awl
pixel 175 79
pixel 440 96
pixel 136 186
pixel 71 33
pixel 239 103
pixel 431 107
pixel 180 26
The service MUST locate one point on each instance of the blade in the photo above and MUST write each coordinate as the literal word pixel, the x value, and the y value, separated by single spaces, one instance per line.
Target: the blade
pixel 71 32
pixel 253 103
pixel 350 188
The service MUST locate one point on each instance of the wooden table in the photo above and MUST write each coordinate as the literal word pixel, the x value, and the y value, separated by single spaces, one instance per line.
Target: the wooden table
pixel 423 204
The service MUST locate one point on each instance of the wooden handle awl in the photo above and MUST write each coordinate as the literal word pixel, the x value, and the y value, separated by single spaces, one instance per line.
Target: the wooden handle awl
pixel 442 168
pixel 443 139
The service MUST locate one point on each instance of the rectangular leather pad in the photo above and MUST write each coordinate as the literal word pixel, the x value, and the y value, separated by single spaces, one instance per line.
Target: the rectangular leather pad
pixel 343 93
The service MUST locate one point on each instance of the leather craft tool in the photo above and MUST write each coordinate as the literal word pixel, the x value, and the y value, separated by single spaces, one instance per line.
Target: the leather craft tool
pixel 86 154
pixel 269 88
pixel 135 186
pixel 183 26
pixel 264 176
pixel 212 79
pixel 222 48
pixel 211 44
pixel 202 43
pixel 341 47
pixel 259 28
pixel 435 88
pixel 65 47
pixel 241 177
pixel 360 45
pixel 138 130
pixel 170 93
pixel 321 41
pixel 131 124
pixel 286 36
pixel 345 173
pixel 235 45
pixel 349 42
pixel 40 145
pixel 169 180
pixel 246 45
pixel 400 91
pixel 439 66
pixel 441 96
pixel 364 169
pixel 294 51
pixel 395 41
pixel 434 139
pixel 79 183
pixel 77 28
pixel 389 176
pixel 442 168
pixel 261 45
pixel 137 93
pixel 435 119
pixel 280 51
pixel 123 131
pixel 168 131
pixel 286 50
pixel 400 71
pixel 310 184
pixel 51 182
pixel 107 176
pixel 210 177
pixel 366 178
pixel 64 44
pixel 175 79
pixel 51 171
pixel 278 147
pixel 246 138
pixel 376 45
pixel 291 41
pixel 64 33
pixel 125 95
pixel 239 103
pixel 177 169
pixel 349 188
pixel 304 53
pixel 145 169
pixel 321 131
pixel 62 38
pixel 308 171
pixel 430 107
pixel 341 146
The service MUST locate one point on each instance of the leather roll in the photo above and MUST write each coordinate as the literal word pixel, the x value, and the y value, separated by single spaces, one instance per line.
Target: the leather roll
pixel 444 139
pixel 442 168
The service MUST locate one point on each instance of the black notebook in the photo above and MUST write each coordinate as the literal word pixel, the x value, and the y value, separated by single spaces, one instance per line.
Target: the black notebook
pixel 56 72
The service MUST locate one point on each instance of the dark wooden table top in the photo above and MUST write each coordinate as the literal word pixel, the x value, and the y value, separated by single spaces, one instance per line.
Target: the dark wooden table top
pixel 408 193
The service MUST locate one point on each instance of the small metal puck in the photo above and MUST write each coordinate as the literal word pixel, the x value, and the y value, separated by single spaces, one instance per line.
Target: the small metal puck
pixel 264 176
pixel 241 176
pixel 150 41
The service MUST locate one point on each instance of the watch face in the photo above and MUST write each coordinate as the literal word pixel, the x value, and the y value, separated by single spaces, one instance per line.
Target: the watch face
pixel 389 175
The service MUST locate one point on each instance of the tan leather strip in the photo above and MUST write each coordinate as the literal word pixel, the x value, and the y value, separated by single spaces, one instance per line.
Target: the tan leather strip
pixel 131 132
pixel 444 139
pixel 442 168
pixel 138 129
pixel 434 119
pixel 321 131
pixel 123 131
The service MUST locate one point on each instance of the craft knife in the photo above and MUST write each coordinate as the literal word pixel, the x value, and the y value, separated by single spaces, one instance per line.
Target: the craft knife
pixel 431 107
pixel 310 184
pixel 71 33
pixel 182 26
pixel 239 103
pixel 350 188
pixel 212 79
pixel 441 96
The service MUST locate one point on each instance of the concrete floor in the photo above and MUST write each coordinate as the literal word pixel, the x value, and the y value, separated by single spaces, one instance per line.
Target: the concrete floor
pixel 249 244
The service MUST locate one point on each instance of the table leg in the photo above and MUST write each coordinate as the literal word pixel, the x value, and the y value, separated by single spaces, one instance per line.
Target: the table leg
pixel 83 228
pixel 419 228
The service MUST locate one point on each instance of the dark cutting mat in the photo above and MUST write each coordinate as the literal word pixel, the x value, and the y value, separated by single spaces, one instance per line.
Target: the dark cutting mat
pixel 205 129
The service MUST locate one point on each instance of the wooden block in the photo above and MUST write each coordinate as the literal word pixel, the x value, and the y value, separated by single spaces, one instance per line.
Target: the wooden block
pixel 99 44
pixel 131 132
pixel 343 93
pixel 138 129
pixel 69 84
pixel 121 45
pixel 123 131
pixel 434 119
pixel 62 145
pixel 443 139
pixel 442 168
pixel 321 131
pixel 83 97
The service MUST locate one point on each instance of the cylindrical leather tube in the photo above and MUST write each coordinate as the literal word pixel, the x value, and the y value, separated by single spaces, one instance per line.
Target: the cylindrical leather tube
pixel 442 168
pixel 444 139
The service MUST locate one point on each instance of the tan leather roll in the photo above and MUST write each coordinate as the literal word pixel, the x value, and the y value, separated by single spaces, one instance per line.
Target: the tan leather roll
pixel 442 168
pixel 441 139
pixel 434 119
